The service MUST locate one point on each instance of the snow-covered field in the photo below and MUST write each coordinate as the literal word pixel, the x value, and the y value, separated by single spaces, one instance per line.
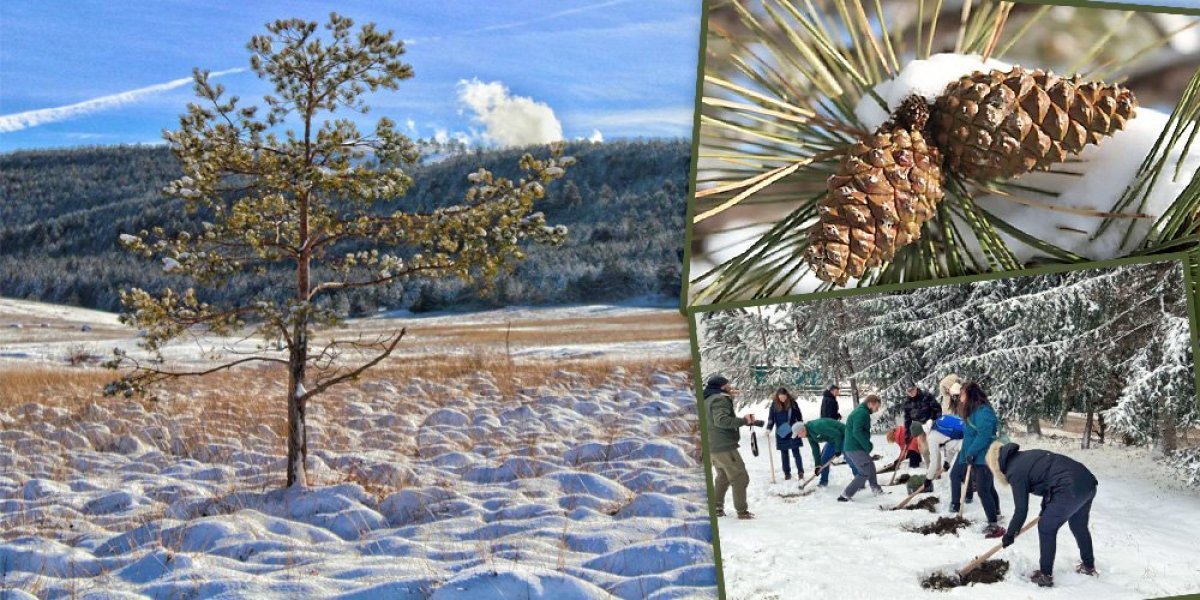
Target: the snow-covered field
pixel 1144 525
pixel 579 482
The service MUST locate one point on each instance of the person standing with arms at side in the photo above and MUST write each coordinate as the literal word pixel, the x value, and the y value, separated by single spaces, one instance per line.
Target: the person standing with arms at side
pixel 858 448
pixel 979 431
pixel 724 432
pixel 920 410
pixel 1067 489
pixel 829 404
pixel 785 413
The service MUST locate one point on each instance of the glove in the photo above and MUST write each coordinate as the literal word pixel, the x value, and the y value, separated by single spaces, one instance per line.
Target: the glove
pixel 1008 540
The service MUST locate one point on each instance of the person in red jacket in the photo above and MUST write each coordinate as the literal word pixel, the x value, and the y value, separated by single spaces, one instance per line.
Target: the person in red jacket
pixel 913 451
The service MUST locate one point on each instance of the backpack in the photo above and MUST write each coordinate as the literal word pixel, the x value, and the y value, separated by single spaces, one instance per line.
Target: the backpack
pixel 949 426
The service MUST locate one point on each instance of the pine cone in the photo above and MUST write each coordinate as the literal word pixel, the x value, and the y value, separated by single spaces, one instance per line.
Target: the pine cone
pixel 886 187
pixel 1002 124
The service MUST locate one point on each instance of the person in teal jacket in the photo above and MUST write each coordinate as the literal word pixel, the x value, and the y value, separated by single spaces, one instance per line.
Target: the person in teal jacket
pixel 980 429
pixel 830 432
pixel 857 447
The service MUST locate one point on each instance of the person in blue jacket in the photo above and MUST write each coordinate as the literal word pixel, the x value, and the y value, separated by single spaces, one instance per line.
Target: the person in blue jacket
pixel 1067 489
pixel 979 431
pixel 785 413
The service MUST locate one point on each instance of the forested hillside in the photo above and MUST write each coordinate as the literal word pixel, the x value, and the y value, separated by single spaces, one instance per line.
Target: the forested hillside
pixel 61 212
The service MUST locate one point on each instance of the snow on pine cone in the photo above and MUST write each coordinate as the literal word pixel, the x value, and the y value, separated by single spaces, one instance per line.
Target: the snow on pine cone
pixel 885 188
pixel 1000 124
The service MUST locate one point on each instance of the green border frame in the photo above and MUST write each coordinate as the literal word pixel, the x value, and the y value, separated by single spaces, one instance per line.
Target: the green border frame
pixel 1185 259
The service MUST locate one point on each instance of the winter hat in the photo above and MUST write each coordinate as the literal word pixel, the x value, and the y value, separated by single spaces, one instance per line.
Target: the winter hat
pixel 717 382
pixel 955 388
pixel 796 427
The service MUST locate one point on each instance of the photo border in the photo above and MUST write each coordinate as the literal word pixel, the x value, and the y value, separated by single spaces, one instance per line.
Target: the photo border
pixel 1187 259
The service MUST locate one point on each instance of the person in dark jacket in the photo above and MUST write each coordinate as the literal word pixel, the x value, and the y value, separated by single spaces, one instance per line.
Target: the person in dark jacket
pixel 784 413
pixel 724 432
pixel 829 404
pixel 858 448
pixel 921 409
pixel 979 431
pixel 1067 489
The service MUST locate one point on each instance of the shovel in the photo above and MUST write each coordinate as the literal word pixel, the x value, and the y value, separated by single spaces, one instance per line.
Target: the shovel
pixel 771 456
pixel 816 472
pixel 905 501
pixel 896 469
pixel 971 566
pixel 966 486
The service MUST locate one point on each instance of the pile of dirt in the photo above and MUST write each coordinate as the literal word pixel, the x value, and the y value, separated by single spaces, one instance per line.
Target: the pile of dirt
pixel 901 479
pixel 990 571
pixel 929 504
pixel 942 526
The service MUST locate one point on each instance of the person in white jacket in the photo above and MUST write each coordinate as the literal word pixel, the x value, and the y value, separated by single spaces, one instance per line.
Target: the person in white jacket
pixel 944 437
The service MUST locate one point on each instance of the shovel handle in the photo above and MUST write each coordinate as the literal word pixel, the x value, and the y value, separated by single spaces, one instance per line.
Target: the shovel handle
pixel 965 490
pixel 816 472
pixel 998 547
pixel 905 501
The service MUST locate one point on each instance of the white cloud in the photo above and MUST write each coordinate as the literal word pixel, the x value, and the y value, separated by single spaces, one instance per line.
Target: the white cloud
pixel 412 125
pixel 509 120
pixel 33 118
pixel 596 137
pixel 440 135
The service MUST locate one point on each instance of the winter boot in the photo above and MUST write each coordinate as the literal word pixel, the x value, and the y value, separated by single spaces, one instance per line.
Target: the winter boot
pixel 787 476
pixel 746 515
pixel 928 487
pixel 953 508
pixel 993 531
pixel 843 499
pixel 720 512
pixel 1086 570
pixel 880 491
pixel 1042 579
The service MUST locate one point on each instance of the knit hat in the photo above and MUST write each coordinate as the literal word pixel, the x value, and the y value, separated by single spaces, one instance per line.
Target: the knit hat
pixel 717 382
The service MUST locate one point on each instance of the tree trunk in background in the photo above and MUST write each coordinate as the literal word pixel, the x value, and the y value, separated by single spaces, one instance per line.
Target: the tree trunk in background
pixel 1168 443
pixel 1087 427
pixel 1034 426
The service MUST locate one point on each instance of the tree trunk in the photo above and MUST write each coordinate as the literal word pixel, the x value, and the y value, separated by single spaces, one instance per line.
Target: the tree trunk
pixel 1034 426
pixel 297 441
pixel 1101 426
pixel 1087 427
pixel 1169 441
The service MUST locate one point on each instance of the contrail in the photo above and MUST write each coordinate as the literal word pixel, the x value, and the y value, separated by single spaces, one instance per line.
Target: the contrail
pixel 41 116
pixel 516 24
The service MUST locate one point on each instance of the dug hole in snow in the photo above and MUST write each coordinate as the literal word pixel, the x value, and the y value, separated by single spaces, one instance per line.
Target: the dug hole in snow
pixel 1144 526
pixel 1094 181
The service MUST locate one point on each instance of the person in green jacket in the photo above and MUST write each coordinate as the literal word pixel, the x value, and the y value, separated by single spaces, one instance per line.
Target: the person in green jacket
pixel 724 432
pixel 857 447
pixel 832 433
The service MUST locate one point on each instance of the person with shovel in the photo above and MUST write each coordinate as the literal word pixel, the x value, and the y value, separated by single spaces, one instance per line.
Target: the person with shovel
pixel 979 431
pixel 830 432
pixel 785 413
pixel 857 446
pixel 1067 489
pixel 724 432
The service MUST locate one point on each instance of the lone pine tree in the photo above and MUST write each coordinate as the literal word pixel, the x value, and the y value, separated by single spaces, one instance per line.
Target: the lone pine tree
pixel 286 187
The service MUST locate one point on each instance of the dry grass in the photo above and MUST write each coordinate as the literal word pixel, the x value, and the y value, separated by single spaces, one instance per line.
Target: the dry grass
pixel 49 385
pixel 648 327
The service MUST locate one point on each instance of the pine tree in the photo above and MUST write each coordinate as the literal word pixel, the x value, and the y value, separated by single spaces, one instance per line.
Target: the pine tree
pixel 286 187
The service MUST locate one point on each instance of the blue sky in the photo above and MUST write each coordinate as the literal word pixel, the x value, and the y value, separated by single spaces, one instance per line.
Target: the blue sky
pixel 623 68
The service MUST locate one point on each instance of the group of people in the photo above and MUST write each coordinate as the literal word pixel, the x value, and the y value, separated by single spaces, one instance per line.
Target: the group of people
pixel 959 434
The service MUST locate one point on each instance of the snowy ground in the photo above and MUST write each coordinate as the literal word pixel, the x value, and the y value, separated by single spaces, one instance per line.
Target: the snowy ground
pixel 1144 526
pixel 575 483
